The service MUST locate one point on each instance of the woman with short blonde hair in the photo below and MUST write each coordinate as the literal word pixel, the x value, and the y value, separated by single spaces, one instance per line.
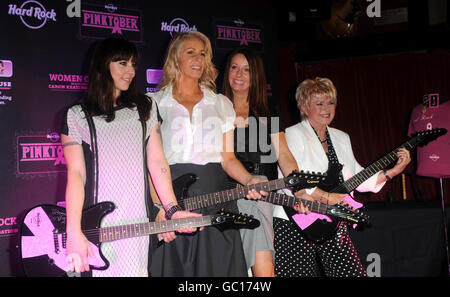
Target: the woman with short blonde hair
pixel 318 147
pixel 310 88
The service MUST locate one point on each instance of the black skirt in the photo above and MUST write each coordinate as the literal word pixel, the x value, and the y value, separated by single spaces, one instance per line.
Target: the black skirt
pixel 213 252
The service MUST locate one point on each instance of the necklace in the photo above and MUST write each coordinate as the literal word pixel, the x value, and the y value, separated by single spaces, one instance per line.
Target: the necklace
pixel 326 135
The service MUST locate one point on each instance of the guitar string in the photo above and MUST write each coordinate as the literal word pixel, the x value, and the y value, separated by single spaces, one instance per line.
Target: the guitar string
pixel 131 228
pixel 205 200
pixel 96 232
pixel 164 226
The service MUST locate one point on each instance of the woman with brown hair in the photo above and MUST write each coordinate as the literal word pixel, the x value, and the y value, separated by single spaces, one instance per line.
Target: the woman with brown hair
pixel 259 143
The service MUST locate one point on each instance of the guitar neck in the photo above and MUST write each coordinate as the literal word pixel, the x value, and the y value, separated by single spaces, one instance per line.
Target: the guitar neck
pixel 290 201
pixel 211 199
pixel 135 230
pixel 353 182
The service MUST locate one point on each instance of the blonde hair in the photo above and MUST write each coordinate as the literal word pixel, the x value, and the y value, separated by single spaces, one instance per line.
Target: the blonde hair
pixel 171 68
pixel 309 88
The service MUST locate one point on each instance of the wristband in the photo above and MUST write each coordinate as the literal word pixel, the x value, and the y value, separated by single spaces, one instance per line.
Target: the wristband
pixel 386 175
pixel 172 210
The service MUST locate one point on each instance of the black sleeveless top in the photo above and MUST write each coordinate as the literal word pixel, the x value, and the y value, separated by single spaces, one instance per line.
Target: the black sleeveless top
pixel 252 144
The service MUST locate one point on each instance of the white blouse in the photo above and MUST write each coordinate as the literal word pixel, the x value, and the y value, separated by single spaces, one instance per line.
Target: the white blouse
pixel 199 141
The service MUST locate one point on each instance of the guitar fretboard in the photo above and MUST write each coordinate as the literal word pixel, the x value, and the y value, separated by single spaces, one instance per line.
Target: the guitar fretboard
pixel 353 182
pixel 211 199
pixel 141 229
pixel 290 201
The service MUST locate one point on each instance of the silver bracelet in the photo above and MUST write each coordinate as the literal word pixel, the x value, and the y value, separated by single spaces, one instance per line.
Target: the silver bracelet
pixel 158 205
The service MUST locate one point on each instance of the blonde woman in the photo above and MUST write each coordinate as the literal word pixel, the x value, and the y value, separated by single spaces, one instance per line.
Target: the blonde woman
pixel 197 131
pixel 318 147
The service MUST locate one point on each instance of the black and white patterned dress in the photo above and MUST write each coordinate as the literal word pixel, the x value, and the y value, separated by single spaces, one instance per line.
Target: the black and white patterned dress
pixel 121 180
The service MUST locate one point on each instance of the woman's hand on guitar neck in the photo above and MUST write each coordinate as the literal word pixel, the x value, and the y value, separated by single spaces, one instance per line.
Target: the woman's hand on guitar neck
pixel 253 194
pixel 302 208
pixel 170 236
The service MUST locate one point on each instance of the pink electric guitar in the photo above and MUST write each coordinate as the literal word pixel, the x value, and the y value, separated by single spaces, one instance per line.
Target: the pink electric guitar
pixel 43 238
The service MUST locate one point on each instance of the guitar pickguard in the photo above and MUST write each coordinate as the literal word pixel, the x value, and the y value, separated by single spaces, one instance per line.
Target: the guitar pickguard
pixel 46 244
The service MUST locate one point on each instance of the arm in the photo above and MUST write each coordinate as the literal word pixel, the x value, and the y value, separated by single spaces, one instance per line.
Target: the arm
pixel 161 182
pixel 288 164
pixel 78 246
pixel 286 160
pixel 234 168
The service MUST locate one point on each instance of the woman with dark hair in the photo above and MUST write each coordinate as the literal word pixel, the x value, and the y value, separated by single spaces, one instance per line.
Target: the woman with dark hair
pixel 259 143
pixel 118 129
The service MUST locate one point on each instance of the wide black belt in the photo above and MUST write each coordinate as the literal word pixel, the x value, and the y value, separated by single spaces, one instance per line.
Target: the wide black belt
pixel 257 168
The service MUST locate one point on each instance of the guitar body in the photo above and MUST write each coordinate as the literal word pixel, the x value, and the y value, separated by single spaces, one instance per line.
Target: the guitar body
pixel 181 185
pixel 42 239
pixel 317 227
pixel 43 235
pixel 321 229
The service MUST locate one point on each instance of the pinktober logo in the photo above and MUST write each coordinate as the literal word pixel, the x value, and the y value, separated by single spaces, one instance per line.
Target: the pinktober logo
pixel 243 35
pixel 101 21
pixel 115 22
pixel 40 154
pixel 232 33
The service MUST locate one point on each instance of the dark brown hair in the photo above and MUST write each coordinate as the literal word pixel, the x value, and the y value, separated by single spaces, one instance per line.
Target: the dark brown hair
pixel 99 100
pixel 257 95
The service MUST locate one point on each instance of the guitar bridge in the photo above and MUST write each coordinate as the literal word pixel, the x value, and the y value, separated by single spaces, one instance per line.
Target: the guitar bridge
pixel 56 240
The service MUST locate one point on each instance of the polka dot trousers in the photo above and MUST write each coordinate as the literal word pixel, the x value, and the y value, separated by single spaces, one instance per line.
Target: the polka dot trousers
pixel 296 256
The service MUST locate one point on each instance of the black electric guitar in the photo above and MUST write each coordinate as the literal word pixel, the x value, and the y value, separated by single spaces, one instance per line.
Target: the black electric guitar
pixel 338 211
pixel 298 180
pixel 319 230
pixel 43 239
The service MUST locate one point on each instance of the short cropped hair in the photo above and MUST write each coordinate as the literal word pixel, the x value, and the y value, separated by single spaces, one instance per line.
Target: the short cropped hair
pixel 310 88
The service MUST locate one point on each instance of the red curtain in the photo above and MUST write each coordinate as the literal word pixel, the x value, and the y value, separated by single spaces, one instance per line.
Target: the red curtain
pixel 375 98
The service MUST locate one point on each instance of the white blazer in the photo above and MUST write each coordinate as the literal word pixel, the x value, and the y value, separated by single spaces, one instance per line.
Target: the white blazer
pixel 310 156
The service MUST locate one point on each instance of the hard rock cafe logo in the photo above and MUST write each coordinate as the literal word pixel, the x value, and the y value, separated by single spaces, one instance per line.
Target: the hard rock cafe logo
pixel 434 157
pixel 177 25
pixel 40 154
pixel 101 21
pixel 32 14
pixel 8 223
pixel 238 33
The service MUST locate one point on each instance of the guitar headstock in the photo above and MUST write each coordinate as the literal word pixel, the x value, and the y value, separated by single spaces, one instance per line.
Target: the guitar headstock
pixel 305 179
pixel 425 136
pixel 238 220
pixel 346 213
